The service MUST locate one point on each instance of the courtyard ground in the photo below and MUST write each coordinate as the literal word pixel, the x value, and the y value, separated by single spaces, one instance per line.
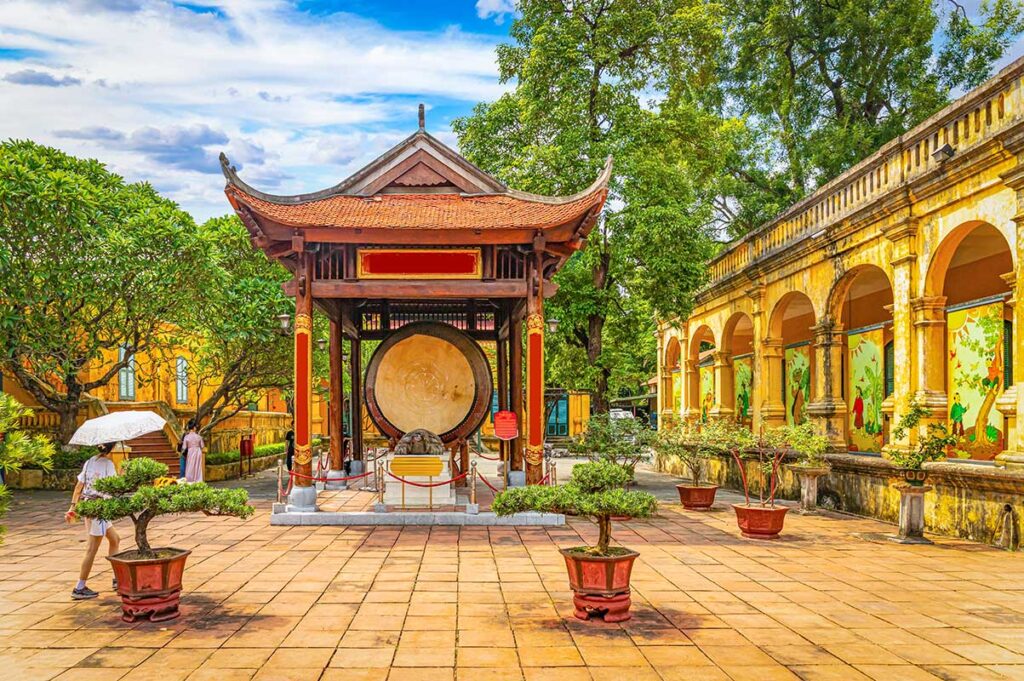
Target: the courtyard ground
pixel 830 600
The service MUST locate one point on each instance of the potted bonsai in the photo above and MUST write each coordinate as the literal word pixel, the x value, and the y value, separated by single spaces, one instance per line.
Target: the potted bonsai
pixel 932 445
pixel 763 519
pixel 599 574
pixel 811 464
pixel 692 448
pixel 148 579
pixel 622 441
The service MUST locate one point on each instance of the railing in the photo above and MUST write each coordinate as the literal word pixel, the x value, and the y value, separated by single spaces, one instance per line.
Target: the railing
pixel 971 121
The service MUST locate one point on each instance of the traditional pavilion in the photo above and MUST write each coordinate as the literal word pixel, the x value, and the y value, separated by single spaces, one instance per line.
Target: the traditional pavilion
pixel 419 234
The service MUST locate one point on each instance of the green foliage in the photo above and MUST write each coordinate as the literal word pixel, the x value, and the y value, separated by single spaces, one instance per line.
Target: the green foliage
pixel 594 490
pixel 259 451
pixel 132 494
pixel 72 458
pixel 585 83
pixel 808 445
pixel 18 449
pixel 693 446
pixel 88 264
pixel 624 442
pixel 931 445
pixel 238 349
pixel 823 85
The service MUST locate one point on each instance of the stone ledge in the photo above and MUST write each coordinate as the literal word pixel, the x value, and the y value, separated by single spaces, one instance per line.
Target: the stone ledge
pixel 453 518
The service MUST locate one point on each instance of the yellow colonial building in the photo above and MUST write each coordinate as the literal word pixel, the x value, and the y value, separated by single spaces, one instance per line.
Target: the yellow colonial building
pixel 897 280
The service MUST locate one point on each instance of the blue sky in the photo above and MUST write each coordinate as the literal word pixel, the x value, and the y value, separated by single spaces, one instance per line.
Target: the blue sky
pixel 298 93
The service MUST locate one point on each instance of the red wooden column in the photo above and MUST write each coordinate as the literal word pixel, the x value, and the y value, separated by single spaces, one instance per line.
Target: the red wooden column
pixel 303 495
pixel 534 454
pixel 516 384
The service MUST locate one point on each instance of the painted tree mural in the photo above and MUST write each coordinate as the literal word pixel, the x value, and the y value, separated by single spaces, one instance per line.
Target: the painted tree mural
pixel 866 391
pixel 743 388
pixel 707 391
pixel 976 379
pixel 798 384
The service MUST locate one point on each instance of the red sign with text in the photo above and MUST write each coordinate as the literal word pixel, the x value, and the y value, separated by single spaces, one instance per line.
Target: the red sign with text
pixel 506 427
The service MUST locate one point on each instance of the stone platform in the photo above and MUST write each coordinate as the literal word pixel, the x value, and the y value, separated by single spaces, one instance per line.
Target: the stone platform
pixel 424 517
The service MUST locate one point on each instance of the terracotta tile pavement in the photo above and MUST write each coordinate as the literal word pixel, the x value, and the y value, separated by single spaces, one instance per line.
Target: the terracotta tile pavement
pixel 830 600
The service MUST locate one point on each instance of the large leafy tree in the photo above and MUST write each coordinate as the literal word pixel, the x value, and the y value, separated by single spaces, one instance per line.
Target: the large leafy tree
pixel 239 351
pixel 596 78
pixel 88 264
pixel 823 84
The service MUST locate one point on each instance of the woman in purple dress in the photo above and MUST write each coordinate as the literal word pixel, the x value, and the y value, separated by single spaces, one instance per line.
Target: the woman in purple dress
pixel 193 454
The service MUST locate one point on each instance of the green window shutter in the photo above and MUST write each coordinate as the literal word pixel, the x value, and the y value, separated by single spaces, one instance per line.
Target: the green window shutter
pixel 1007 353
pixel 890 369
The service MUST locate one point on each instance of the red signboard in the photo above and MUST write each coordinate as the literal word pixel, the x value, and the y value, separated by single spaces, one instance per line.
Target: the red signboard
pixel 506 427
pixel 419 263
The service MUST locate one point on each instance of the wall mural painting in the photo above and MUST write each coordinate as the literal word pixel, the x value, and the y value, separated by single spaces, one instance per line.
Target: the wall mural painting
pixel 743 387
pixel 798 384
pixel 677 392
pixel 866 390
pixel 975 349
pixel 707 391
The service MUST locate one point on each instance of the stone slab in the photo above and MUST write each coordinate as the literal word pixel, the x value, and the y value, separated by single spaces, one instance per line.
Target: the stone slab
pixel 416 518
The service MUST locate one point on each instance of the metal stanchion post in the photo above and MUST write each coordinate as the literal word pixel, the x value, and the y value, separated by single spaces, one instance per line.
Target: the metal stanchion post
pixel 553 472
pixel 472 483
pixel 280 475
pixel 380 483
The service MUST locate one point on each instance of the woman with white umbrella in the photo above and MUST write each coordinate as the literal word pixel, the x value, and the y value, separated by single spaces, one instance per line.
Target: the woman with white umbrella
pixel 103 432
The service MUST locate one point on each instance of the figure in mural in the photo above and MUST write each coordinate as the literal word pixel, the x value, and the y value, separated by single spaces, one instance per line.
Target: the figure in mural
pixel 956 416
pixel 798 398
pixel 858 410
pixel 867 385
pixel 707 391
pixel 743 377
pixel 798 384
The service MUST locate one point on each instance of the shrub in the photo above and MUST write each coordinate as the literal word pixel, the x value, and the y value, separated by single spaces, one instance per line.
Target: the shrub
pixel 17 448
pixel 625 442
pixel 808 445
pixel 260 450
pixel 132 494
pixel 594 490
pixel 931 445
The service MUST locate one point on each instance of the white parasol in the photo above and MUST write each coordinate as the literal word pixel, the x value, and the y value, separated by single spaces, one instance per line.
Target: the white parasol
pixel 117 427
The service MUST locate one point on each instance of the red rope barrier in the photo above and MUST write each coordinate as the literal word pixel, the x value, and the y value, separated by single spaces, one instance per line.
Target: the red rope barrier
pixel 322 479
pixel 493 488
pixel 545 480
pixel 428 484
pixel 489 458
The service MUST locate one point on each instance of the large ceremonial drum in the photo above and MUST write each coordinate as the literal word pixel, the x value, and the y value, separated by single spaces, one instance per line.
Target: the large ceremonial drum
pixel 428 375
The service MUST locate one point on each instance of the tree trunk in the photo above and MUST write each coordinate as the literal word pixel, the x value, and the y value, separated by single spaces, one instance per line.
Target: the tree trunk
pixel 604 538
pixel 141 540
pixel 595 331
pixel 68 421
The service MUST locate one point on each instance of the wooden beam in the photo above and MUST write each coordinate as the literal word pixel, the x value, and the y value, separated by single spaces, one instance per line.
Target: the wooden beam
pixel 432 289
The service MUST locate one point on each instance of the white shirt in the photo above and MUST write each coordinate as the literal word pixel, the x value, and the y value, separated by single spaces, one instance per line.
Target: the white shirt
pixel 95 468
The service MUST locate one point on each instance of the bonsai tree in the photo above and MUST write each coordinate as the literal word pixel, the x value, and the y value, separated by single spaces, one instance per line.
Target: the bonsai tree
pixel 931 445
pixel 808 445
pixel 622 441
pixel 594 490
pixel 17 448
pixel 769 448
pixel 134 495
pixel 684 444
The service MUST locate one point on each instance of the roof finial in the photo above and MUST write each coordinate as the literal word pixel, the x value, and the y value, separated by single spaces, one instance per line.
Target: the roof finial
pixel 423 119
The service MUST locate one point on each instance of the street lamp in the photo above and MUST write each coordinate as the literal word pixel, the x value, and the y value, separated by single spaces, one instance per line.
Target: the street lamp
pixel 321 344
pixel 285 320
pixel 552 325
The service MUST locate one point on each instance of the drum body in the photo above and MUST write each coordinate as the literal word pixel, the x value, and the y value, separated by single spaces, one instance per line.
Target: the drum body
pixel 428 375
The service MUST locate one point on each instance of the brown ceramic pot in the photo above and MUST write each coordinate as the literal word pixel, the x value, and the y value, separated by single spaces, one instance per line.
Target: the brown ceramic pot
pixel 600 584
pixel 699 498
pixel 150 588
pixel 760 522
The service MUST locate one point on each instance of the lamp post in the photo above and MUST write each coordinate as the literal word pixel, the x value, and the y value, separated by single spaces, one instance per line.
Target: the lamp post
pixel 321 344
pixel 552 325
pixel 285 320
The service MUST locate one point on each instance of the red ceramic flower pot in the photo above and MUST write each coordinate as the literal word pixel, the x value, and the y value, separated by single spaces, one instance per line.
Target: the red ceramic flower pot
pixel 600 583
pixel 699 498
pixel 760 522
pixel 149 587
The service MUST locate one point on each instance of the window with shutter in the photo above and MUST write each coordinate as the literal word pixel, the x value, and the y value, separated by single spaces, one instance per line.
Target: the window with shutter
pixel 890 369
pixel 1007 353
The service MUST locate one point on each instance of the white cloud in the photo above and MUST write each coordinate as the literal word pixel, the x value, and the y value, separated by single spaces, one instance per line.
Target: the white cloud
pixel 499 9
pixel 297 100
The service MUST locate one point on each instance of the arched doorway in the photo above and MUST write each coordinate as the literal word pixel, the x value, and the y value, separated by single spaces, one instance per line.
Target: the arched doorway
pixel 738 344
pixel 700 399
pixel 968 275
pixel 673 378
pixel 861 307
pixel 791 326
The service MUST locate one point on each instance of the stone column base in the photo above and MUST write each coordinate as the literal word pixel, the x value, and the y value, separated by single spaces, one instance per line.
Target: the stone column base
pixel 911 515
pixel 336 485
pixel 302 499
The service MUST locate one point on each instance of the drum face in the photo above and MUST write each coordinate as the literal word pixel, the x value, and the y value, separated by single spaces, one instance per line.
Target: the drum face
pixel 428 375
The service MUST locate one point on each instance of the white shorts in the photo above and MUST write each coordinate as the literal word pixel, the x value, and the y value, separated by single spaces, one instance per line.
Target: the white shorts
pixel 98 528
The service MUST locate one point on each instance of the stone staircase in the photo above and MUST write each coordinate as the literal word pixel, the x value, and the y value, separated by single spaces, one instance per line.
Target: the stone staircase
pixel 156 446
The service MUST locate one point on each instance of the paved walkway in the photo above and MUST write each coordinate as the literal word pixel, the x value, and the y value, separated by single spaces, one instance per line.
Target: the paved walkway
pixel 831 600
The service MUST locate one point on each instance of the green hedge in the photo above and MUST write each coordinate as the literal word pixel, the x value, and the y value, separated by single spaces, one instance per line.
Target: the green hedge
pixel 70 460
pixel 259 451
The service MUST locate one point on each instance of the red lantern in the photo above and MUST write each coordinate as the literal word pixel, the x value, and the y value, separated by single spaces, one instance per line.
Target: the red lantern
pixel 506 427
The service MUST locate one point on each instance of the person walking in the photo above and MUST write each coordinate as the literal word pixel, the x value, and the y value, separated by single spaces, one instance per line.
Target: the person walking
pixel 97 467
pixel 194 460
pixel 289 448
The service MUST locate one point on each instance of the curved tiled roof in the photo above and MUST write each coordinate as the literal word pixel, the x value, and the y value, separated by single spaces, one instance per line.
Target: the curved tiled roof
pixel 510 210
